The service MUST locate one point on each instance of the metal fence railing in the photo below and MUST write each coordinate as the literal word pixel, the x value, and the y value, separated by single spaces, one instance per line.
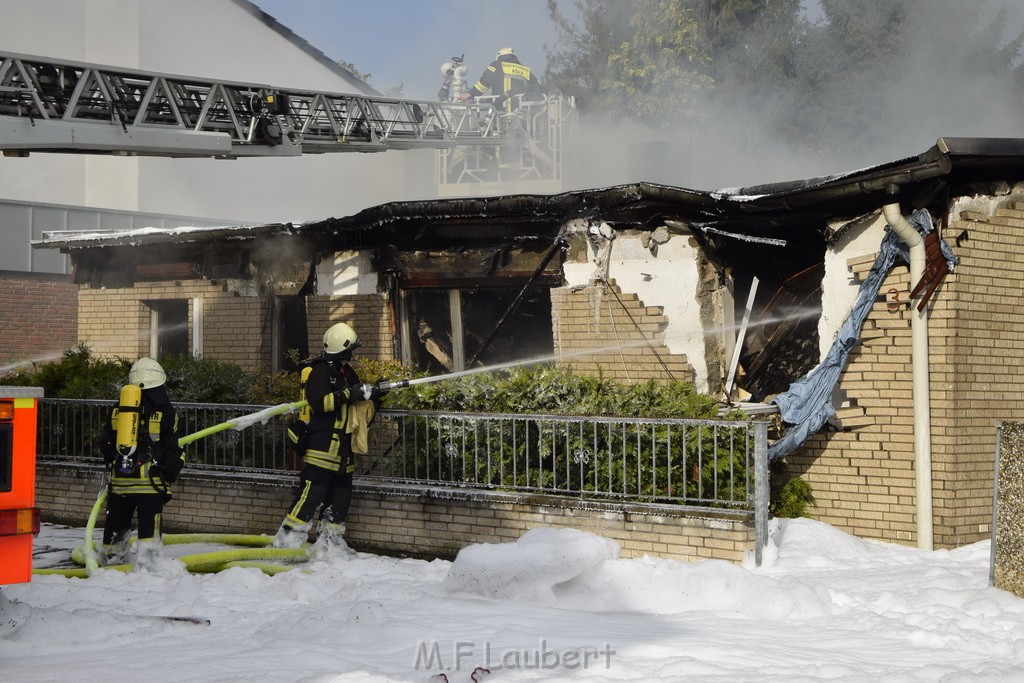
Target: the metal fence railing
pixel 686 462
pixel 697 463
pixel 68 429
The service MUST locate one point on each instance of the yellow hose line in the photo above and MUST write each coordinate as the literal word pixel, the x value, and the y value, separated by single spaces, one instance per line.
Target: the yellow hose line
pixel 214 562
pixel 264 559
pixel 90 561
pixel 245 540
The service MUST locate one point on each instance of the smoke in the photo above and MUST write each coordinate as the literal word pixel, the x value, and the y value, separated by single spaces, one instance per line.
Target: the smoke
pixel 938 86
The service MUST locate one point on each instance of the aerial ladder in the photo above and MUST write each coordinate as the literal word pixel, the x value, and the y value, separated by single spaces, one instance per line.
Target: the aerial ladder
pixel 63 106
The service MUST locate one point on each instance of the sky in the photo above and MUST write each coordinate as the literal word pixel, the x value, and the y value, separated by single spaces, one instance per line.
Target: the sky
pixel 556 605
pixel 405 42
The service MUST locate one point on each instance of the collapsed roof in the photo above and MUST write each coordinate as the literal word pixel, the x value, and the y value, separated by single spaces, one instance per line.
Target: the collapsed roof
pixel 786 211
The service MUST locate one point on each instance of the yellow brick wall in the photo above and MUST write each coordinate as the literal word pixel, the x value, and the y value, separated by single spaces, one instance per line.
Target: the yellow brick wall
pixel 368 314
pixel 237 326
pixel 392 519
pixel 616 325
pixel 863 479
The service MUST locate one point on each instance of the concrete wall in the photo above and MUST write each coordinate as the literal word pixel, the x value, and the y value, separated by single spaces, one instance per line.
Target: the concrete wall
pixel 1008 536
pixel 216 39
pixel 38 316
pixel 404 520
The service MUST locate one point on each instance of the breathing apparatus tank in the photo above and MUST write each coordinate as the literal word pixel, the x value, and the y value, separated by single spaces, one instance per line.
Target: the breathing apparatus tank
pixel 129 415
pixel 305 412
pixel 298 429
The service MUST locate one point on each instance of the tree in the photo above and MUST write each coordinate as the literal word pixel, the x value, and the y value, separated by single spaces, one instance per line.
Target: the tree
pixel 642 59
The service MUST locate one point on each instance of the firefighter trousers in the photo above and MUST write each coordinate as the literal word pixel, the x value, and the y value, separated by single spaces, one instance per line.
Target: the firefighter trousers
pixel 317 487
pixel 121 509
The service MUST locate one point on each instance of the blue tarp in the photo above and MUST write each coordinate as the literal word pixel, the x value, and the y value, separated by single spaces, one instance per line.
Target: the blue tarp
pixel 807 406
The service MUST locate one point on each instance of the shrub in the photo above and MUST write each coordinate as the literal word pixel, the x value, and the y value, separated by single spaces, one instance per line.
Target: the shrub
pixel 793 499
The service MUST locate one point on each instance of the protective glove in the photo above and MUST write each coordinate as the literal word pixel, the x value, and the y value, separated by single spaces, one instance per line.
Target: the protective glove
pixel 368 392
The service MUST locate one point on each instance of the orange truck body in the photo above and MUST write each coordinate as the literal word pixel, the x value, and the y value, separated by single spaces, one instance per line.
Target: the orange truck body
pixel 19 518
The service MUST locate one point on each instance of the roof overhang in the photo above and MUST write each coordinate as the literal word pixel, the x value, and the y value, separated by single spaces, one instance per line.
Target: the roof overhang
pixel 953 167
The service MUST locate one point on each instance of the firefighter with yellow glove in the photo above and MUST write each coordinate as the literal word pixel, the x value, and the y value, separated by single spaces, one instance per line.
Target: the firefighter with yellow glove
pixel 139 444
pixel 337 398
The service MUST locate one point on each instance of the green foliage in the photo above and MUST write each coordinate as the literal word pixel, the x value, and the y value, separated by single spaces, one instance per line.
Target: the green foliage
pixel 189 379
pixel 571 456
pixel 555 391
pixel 849 83
pixel 76 375
pixel 793 500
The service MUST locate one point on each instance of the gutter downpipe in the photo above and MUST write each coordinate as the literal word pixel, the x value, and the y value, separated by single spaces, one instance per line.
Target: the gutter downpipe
pixel 919 363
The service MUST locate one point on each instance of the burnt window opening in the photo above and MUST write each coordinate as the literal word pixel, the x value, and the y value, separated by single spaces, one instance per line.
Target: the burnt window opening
pixel 444 330
pixel 168 328
pixel 290 340
pixel 783 347
pixel 781 342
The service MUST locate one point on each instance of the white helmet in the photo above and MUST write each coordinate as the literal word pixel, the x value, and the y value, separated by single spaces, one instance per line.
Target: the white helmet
pixel 147 374
pixel 340 338
pixel 505 51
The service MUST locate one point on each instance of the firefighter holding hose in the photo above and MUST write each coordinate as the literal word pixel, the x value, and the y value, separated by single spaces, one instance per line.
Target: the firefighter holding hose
pixel 139 444
pixel 339 403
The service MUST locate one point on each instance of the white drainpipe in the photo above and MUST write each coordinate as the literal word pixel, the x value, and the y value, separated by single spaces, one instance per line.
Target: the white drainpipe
pixel 921 387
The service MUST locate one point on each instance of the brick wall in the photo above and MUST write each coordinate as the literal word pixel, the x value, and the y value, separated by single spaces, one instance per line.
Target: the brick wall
pixel 368 314
pixel 600 316
pixel 237 325
pixel 863 478
pixel 38 315
pixel 236 328
pixel 1008 536
pixel 406 520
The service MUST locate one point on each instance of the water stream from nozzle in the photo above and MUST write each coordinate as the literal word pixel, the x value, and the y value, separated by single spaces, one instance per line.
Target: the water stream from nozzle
pixel 797 314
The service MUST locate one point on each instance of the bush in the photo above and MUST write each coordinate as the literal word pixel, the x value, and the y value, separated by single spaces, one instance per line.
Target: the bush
pixel 189 379
pixel 793 499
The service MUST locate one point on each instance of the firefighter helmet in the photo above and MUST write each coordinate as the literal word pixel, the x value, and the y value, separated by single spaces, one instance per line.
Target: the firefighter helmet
pixel 340 338
pixel 505 51
pixel 147 374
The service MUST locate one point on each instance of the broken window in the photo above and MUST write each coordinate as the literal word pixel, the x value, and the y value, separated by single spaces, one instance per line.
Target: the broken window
pixel 448 330
pixel 168 328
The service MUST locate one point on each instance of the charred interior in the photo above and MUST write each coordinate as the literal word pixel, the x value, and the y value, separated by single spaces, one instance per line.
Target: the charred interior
pixel 469 279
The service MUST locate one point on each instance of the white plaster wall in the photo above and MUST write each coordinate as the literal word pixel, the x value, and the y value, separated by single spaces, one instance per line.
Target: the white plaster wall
pixel 348 273
pixel 668 280
pixel 986 204
pixel 839 290
pixel 215 39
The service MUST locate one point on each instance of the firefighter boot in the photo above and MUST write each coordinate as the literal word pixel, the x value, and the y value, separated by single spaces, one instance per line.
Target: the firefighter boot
pixel 116 552
pixel 330 541
pixel 289 536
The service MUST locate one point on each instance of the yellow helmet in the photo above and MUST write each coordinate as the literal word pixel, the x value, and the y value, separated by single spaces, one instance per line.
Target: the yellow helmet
pixel 505 51
pixel 147 374
pixel 340 338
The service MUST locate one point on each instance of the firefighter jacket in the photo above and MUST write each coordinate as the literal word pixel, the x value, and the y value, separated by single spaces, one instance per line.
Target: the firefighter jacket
pixel 331 388
pixel 157 459
pixel 506 77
